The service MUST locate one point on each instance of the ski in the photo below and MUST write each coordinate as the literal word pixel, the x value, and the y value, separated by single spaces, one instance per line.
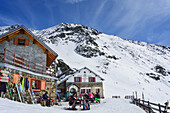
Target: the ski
pixel 31 96
pixel 24 97
pixel 10 91
pixel 35 99
pixel 20 89
pixel 18 92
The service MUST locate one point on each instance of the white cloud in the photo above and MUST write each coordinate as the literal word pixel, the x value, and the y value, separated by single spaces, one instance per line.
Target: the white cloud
pixel 7 21
pixel 74 1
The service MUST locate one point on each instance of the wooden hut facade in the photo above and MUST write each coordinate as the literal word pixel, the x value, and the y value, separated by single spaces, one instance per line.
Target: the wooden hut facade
pixel 24 56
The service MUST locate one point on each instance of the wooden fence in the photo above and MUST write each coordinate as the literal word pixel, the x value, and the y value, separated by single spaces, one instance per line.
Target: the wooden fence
pixel 115 96
pixel 150 107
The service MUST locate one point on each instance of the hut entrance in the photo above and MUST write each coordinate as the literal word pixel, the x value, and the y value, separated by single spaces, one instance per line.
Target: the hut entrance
pixel 73 90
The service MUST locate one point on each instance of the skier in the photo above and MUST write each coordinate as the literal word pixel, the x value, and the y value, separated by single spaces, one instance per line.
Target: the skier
pixel 3 73
pixel 97 98
pixel 86 95
pixel 57 98
pixel 86 105
pixel 73 100
pixel 46 99
pixel 3 89
pixel 91 97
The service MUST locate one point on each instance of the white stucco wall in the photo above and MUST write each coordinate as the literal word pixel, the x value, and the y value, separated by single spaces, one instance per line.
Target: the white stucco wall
pixel 85 74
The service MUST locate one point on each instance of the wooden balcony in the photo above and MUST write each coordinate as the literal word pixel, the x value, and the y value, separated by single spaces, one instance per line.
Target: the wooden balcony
pixel 14 59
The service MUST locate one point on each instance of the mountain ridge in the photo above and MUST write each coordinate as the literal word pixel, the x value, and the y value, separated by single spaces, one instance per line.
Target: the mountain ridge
pixel 126 65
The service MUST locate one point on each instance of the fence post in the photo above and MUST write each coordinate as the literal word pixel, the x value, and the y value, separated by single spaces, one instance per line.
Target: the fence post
pixel 14 59
pixel 139 102
pixel 42 69
pixel 22 62
pixel 143 104
pixel 159 108
pixel 28 64
pixel 4 55
pixel 136 94
pixel 149 107
pixel 35 67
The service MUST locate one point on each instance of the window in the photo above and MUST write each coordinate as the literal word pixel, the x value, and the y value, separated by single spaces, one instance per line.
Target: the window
pixel 37 84
pixel 85 90
pixel 77 79
pixel 82 90
pixel 91 79
pixel 88 90
pixel 97 90
pixel 21 41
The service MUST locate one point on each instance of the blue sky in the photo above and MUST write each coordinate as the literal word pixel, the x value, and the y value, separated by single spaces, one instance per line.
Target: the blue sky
pixel 142 20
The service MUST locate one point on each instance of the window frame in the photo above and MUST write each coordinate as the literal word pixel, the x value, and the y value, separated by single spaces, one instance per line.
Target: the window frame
pixel 21 41
pixel 97 90
pixel 92 79
pixel 41 84
pixel 75 79
pixel 17 42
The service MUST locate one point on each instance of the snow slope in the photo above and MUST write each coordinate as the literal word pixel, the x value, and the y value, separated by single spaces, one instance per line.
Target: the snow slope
pixel 106 106
pixel 126 65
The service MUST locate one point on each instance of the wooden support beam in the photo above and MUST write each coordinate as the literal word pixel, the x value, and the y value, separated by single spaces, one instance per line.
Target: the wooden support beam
pixel 46 51
pixel 22 31
pixel 34 41
pixel 7 38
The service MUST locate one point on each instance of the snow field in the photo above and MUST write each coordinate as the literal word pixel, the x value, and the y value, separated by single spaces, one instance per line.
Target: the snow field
pixel 106 106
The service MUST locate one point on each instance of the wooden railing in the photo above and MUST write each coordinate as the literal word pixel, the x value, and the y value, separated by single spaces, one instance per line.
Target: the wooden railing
pixel 14 59
pixel 150 107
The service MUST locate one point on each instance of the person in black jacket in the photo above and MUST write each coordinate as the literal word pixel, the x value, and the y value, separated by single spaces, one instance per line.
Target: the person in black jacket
pixel 97 97
pixel 3 89
pixel 47 99
pixel 73 100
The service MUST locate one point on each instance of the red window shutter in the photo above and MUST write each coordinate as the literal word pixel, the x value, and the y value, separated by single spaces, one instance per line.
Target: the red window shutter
pixel 15 78
pixel 30 84
pixel 27 42
pixel 80 79
pixel 43 84
pixel 94 80
pixel 15 41
pixel 89 79
pixel 74 79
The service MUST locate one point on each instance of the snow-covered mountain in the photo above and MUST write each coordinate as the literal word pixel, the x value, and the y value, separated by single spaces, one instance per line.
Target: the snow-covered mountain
pixel 126 65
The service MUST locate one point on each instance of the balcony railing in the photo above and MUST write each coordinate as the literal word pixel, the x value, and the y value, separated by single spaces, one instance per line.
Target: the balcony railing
pixel 14 59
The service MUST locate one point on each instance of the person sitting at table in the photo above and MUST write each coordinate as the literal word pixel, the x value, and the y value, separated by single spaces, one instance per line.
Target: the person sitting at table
pixel 91 97
pixel 73 100
pixel 97 97
pixel 86 104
